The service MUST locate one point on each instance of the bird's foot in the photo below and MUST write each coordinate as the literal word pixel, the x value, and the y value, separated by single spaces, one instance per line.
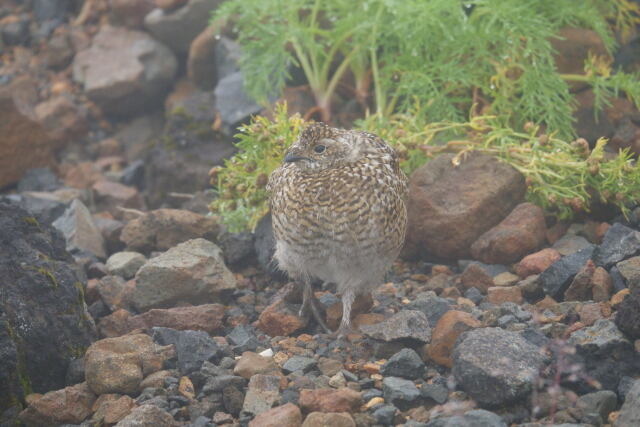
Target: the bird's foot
pixel 310 308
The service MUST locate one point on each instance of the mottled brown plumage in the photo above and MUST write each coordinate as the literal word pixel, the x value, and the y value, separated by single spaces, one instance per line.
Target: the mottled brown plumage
pixel 339 215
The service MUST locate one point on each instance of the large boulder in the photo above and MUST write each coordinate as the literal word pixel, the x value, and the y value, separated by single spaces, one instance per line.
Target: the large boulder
pixel 24 143
pixel 125 71
pixel 451 206
pixel 44 322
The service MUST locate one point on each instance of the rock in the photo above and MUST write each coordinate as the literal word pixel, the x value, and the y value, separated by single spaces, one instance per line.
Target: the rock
pixel 45 207
pixel 265 246
pixel 573 47
pixel 605 353
pixel 570 244
pixel 385 414
pixel 190 117
pixel 163 229
pixel 15 31
pixel 451 206
pixel 228 54
pixel 125 264
pixel 178 28
pixel 330 400
pixel 170 4
pixel 436 392
pixel 630 411
pixel 25 142
pixel 201 63
pixel 251 364
pixel 299 364
pixel 114 324
pixel 205 317
pixel 148 416
pixel 233 103
pixel 71 405
pixel 44 323
pixel 124 71
pixel 630 271
pixel 118 365
pixel 279 319
pixel 405 364
pixel 537 262
pixel 580 288
pixel 475 418
pixel 334 419
pixel 556 278
pixel 628 315
pixel 598 403
pixel 192 271
pixel 109 196
pixel 131 13
pixel 287 415
pixel 450 326
pixel 243 338
pixel 519 234
pixel 262 394
pixel 499 294
pixel 620 242
pixel 79 230
pixel 432 306
pixel 39 180
pixel 115 292
pixel 400 392
pixel 193 348
pixel 480 276
pixel 82 175
pixel 63 119
pixel 236 247
pixel 495 366
pixel 45 10
pixel 410 324
pixel 112 411
pixel 601 285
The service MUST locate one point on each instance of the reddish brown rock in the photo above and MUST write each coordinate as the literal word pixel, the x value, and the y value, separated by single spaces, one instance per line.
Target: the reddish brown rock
pixel 170 4
pixel 201 64
pixel 164 228
pixel 115 324
pixel 118 365
pixel 537 262
pixel 251 363
pixel 156 379
pixel 131 13
pixel 499 294
pixel 81 175
pixel 330 400
pixel 601 285
pixel 451 206
pixel 71 405
pixel 111 195
pixel 148 415
pixel 589 313
pixel 474 276
pixel 333 419
pixel 205 317
pixel 113 409
pixel 444 335
pixel 287 415
pixel 24 143
pixel 519 234
pixel 116 292
pixel 62 118
pixel 279 319
pixel 573 47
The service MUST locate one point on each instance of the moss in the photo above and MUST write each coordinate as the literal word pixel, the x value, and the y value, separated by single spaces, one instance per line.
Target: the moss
pixel 49 275
pixel 30 220
pixel 21 363
pixel 76 351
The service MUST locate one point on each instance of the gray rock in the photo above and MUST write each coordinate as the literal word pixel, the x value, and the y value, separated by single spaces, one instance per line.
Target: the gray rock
pixel 570 244
pixel 227 54
pixel 43 317
pixel 598 403
pixel 620 242
pixel 193 272
pixel 630 270
pixel 79 230
pixel 475 418
pixel 630 411
pixel 45 10
pixel 474 295
pixel 405 324
pixel 436 392
pixel 431 305
pixel 556 279
pixel 406 364
pixel 299 363
pixel 148 416
pixel 624 387
pixel 495 366
pixel 39 179
pixel 628 315
pixel 265 246
pixel 216 384
pixel 125 71
pixel 125 264
pixel 262 394
pixel 243 338
pixel 193 348
pixel 236 247
pixel 46 207
pixel 16 32
pixel 607 355
pixel 233 103
pixel 400 392
pixel 178 28
pixel 619 282
pixel 384 414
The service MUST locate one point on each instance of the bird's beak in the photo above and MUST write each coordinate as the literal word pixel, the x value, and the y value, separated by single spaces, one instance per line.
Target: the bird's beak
pixel 294 156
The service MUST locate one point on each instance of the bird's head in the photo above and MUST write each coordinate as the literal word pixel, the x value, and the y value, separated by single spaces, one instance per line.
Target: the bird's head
pixel 321 147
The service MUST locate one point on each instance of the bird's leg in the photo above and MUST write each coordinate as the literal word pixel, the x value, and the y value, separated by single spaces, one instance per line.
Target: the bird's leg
pixel 310 304
pixel 345 324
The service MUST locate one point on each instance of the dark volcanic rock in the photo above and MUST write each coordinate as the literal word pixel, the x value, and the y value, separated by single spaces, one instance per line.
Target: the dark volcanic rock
pixel 557 278
pixel 406 364
pixel 44 322
pixel 406 324
pixel 607 355
pixel 39 179
pixel 620 242
pixel 628 315
pixel 192 347
pixel 400 392
pixel 495 366
pixel 630 411
pixel 475 418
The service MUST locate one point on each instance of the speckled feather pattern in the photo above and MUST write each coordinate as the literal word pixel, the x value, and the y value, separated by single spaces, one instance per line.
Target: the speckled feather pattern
pixel 339 216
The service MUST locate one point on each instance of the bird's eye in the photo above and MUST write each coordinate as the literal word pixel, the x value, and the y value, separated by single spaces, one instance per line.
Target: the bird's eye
pixel 319 149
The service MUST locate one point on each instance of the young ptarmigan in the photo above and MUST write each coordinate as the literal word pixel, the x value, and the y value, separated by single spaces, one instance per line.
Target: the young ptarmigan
pixel 339 214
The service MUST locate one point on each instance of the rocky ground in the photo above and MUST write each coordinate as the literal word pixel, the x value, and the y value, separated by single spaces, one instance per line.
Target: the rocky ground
pixel 123 303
